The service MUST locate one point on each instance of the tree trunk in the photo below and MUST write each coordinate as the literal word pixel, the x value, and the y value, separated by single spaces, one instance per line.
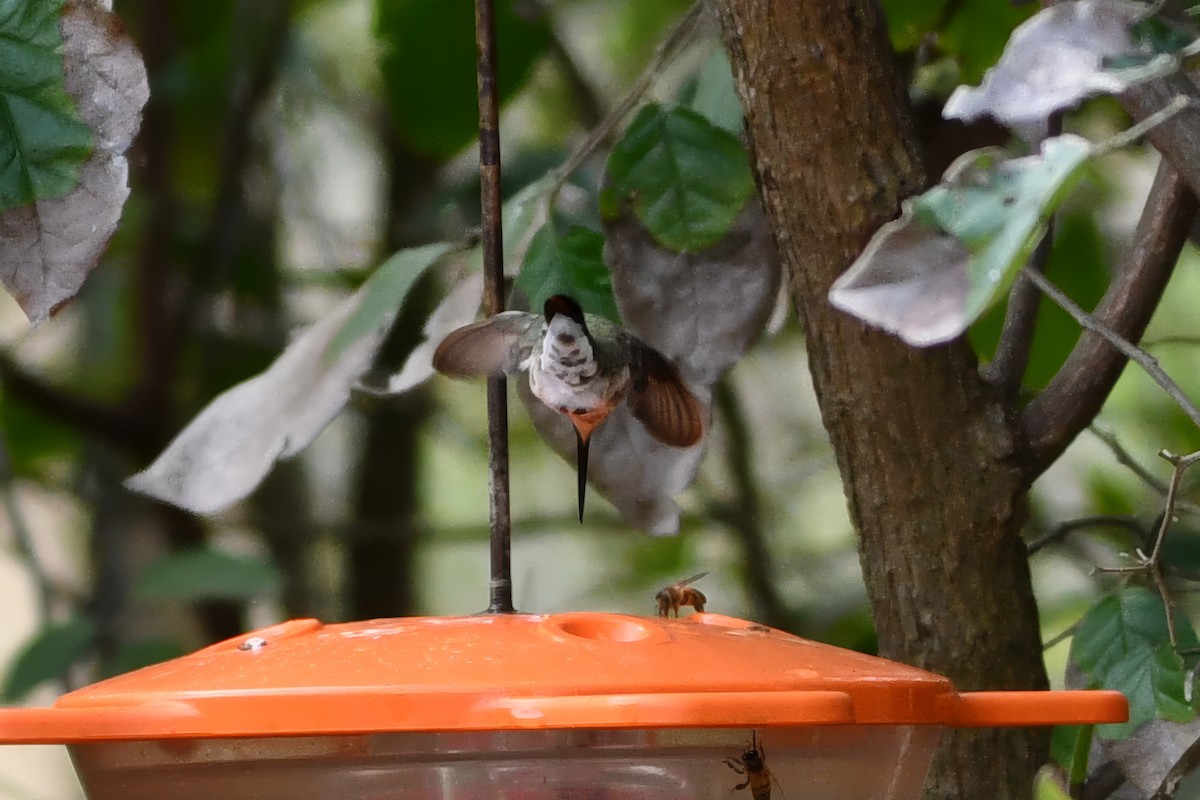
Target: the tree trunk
pixel 925 449
pixel 381 554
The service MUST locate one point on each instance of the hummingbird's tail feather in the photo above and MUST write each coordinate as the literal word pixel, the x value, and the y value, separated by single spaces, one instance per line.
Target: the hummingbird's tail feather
pixel 581 447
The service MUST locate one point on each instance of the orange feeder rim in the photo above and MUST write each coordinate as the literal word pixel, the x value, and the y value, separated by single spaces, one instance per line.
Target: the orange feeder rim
pixel 526 672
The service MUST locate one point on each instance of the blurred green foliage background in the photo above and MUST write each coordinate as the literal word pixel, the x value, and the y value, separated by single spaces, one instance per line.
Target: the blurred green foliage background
pixel 291 145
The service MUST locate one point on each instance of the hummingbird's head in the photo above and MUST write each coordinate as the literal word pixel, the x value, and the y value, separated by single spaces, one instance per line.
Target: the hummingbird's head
pixel 561 304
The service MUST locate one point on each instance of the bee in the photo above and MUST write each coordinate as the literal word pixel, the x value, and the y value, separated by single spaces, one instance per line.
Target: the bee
pixel 753 765
pixel 680 594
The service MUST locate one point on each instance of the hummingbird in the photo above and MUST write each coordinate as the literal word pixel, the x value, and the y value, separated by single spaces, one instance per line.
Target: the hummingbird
pixel 581 365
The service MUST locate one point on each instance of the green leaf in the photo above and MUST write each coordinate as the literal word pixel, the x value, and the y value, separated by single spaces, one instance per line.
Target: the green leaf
pixel 383 294
pixel 1161 35
pixel 909 21
pixel 428 66
pixel 1122 625
pixel 205 574
pixel 977 34
pixel 43 141
pixel 686 179
pixel 930 274
pixel 1152 37
pixel 1080 755
pixel 48 655
pixel 571 263
pixel 1046 786
pixel 1123 644
pixel 1078 266
pixel 1063 743
pixel 1153 680
pixel 998 207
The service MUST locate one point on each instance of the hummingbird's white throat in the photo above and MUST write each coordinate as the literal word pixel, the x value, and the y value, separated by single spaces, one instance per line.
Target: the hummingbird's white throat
pixel 565 374
pixel 566 351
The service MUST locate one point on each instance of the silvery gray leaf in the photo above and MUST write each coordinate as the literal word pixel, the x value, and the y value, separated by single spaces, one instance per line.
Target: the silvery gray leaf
pixel 1147 755
pixel 1056 59
pixel 701 310
pixel 230 446
pixel 911 281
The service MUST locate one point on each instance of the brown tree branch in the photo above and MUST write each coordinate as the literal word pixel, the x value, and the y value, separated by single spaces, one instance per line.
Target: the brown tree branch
pixel 1125 347
pixel 1070 402
pixel 1172 340
pixel 223 233
pixel 382 568
pixel 745 513
pixel 166 318
pixel 124 431
pixel 1060 530
pixel 1178 138
pixel 1020 323
pixel 22 537
pixel 155 144
pixel 1020 318
pixel 588 105
pixel 1126 459
pixel 1104 782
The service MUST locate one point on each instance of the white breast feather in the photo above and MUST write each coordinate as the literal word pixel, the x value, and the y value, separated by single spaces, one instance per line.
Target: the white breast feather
pixel 566 374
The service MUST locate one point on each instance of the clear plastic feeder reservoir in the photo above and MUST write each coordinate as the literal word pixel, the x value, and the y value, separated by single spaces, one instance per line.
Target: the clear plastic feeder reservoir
pixel 516 706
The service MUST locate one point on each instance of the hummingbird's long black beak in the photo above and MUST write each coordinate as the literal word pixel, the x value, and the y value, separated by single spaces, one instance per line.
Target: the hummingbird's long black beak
pixel 581 449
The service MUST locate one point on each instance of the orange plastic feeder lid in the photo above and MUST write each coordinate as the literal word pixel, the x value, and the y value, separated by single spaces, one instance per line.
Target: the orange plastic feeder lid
pixel 513 672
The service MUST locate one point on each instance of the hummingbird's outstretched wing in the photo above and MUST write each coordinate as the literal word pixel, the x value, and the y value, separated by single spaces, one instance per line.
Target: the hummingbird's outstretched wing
pixel 670 412
pixel 498 344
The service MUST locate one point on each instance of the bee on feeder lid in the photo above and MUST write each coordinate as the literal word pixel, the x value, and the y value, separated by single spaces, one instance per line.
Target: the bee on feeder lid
pixel 680 594
pixel 753 765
